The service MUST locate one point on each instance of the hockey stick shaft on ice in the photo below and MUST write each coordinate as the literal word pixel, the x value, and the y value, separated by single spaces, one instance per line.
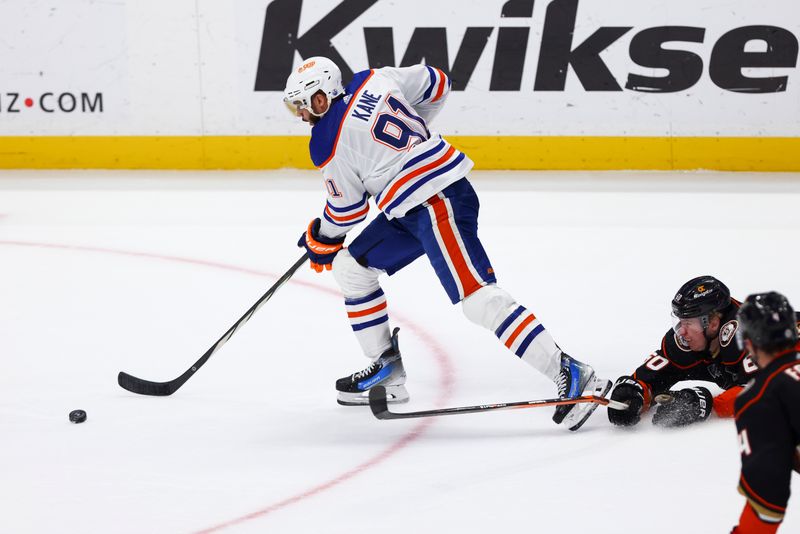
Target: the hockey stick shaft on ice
pixel 162 389
pixel 378 403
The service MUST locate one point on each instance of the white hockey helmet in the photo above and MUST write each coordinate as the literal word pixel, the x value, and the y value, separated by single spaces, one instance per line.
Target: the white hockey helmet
pixel 315 74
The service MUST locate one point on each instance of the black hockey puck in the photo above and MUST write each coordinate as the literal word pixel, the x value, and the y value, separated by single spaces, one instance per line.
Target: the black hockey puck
pixel 77 416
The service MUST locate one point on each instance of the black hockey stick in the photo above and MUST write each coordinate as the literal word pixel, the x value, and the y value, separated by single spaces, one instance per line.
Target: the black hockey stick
pixel 162 389
pixel 380 408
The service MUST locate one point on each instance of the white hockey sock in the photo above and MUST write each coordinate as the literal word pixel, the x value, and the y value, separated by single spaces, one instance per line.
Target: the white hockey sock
pixel 365 303
pixel 370 322
pixel 526 337
pixel 517 328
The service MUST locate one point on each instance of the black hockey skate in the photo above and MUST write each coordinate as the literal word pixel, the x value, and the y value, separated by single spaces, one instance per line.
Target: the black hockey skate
pixel 386 371
pixel 574 380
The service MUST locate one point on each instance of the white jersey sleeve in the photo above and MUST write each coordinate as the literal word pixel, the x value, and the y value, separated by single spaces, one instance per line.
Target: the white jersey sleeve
pixel 347 204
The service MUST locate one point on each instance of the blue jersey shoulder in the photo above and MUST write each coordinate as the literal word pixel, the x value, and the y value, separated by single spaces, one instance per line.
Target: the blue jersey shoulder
pixel 323 134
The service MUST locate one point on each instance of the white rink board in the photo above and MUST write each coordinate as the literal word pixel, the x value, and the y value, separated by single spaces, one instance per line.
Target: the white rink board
pixel 188 67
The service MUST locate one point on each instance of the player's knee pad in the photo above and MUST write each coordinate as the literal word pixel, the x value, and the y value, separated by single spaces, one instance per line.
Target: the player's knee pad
pixel 488 306
pixel 352 277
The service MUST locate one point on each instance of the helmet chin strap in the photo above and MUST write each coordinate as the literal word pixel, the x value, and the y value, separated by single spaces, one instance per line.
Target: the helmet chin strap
pixel 705 321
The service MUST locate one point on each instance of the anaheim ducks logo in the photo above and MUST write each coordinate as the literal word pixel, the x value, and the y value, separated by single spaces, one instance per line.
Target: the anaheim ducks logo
pixel 727 332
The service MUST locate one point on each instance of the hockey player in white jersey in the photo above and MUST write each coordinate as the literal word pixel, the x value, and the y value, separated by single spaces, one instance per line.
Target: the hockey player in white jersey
pixel 371 139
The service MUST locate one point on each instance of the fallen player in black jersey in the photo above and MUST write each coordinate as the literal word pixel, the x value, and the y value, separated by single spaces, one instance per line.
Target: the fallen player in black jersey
pixel 700 346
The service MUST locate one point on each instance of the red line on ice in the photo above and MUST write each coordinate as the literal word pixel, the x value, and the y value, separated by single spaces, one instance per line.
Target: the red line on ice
pixel 441 357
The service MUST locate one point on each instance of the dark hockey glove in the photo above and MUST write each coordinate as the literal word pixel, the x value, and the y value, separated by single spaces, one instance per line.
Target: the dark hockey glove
pixel 321 249
pixel 627 389
pixel 683 407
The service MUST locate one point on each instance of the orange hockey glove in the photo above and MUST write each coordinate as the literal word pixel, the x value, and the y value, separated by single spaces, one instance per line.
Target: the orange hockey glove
pixel 321 249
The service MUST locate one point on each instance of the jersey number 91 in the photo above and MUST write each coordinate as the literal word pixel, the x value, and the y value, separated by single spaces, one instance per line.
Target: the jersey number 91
pixel 398 129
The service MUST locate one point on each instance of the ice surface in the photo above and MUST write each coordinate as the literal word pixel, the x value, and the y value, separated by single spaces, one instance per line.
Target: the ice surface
pixel 142 272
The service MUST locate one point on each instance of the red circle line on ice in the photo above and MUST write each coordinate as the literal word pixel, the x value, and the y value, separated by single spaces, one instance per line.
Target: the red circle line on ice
pixel 444 361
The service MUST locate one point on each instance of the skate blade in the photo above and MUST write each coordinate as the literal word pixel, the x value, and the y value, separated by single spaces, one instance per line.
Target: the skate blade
pixel 581 412
pixel 394 395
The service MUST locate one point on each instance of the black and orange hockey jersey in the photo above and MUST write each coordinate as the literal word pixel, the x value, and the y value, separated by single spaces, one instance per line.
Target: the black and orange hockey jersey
pixel 768 422
pixel 727 366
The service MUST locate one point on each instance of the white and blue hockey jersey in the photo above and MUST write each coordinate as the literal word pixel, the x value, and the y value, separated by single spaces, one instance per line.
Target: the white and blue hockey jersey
pixel 375 142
